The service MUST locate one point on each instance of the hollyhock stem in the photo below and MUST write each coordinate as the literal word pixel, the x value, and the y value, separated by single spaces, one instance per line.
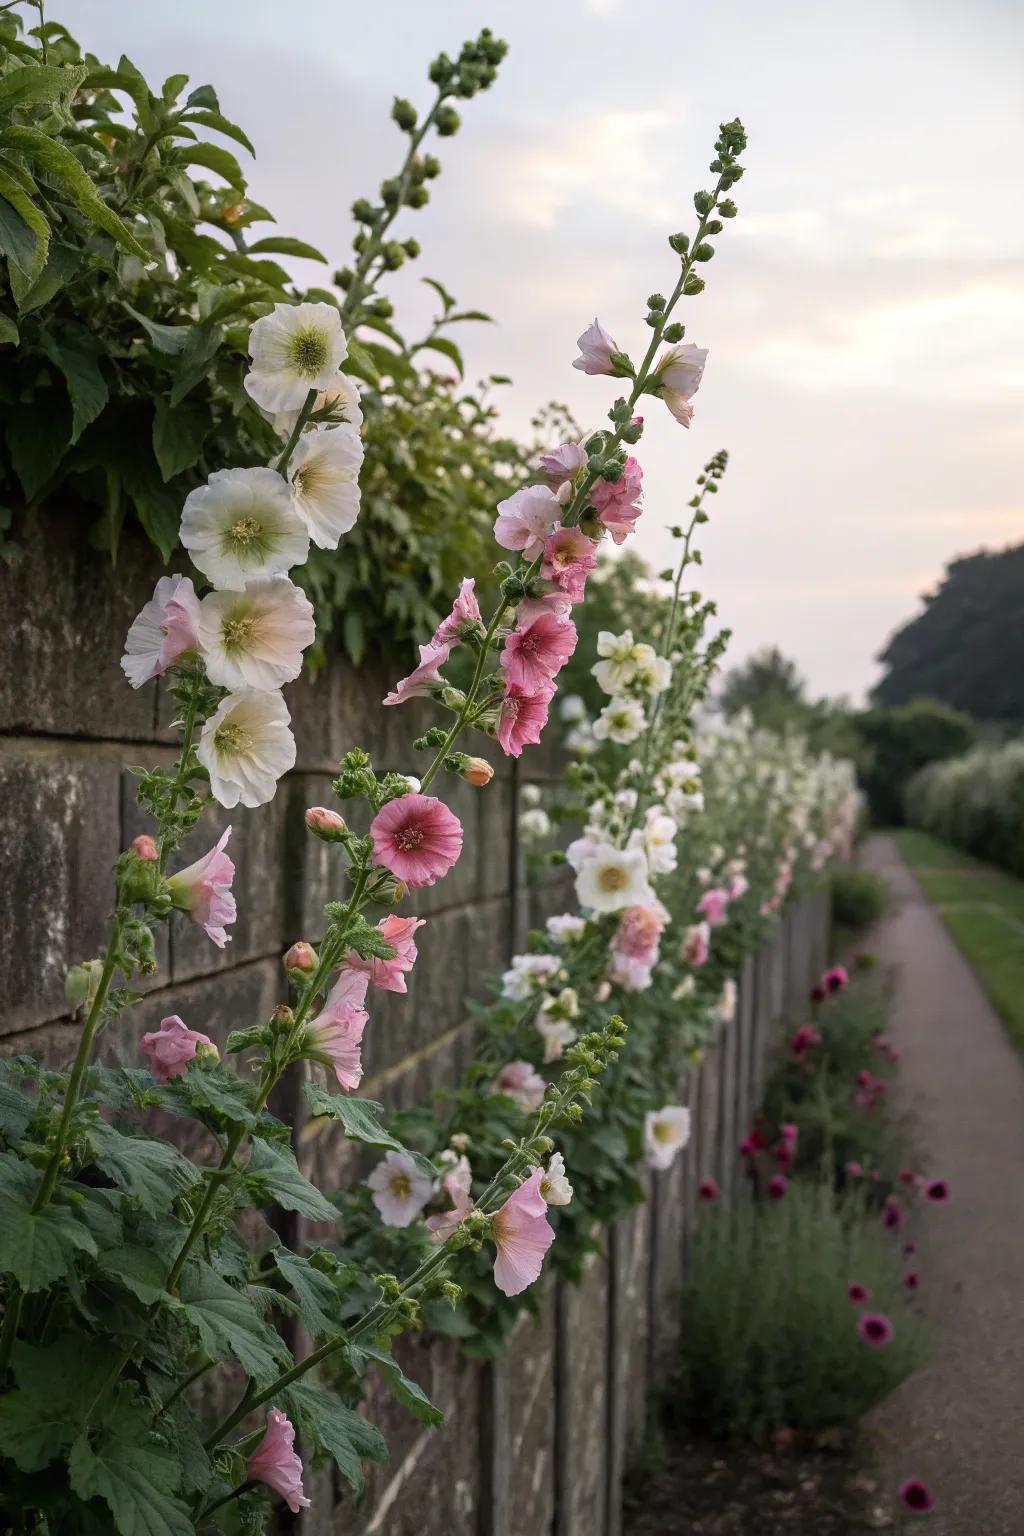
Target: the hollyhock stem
pixel 184 767
pixel 462 719
pixel 303 417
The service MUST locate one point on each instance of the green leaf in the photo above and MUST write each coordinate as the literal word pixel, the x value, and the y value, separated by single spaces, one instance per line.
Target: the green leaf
pixel 283 245
pixel 228 1325
pixel 447 346
pixel 178 436
pixel 61 264
pixel 59 162
pixel 354 631
pixel 15 1109
pixel 276 1175
pixel 166 338
pixel 200 346
pixel 470 314
pixel 36 1247
pixel 357 1116
pixel 153 1173
pixel 33 83
pixel 209 1085
pixel 24 233
pixel 220 124
pixel 359 363
pixel 76 354
pixel 158 508
pixel 9 335
pixel 317 1297
pixel 37 437
pixel 56 1385
pixel 401 1388
pixel 336 1431
pixel 136 1475
pixel 138 1269
pixel 441 291
pixel 212 158
pixel 128 79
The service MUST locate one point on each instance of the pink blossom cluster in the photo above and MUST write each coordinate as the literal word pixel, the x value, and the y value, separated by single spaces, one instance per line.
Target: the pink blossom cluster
pixel 635 946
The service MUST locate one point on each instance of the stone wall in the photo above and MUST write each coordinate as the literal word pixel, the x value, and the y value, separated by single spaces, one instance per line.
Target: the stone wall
pixel 536 1444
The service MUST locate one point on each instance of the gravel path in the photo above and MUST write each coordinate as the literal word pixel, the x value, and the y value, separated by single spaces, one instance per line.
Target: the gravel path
pixel 960 1423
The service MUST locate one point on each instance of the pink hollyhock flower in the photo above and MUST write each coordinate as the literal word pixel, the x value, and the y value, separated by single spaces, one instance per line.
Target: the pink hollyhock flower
pixel 400 1189
pixel 617 502
pixel 640 930
pixel 145 848
pixel 708 1190
pixel 563 462
pixel 875 1329
pixel 424 678
pixel 569 557
pixel 527 518
pixel 629 974
pixel 522 1236
pixel 892 1216
pixel 465 611
pixel 203 890
pixel 912 1280
pixel 534 654
pixel 167 626
pixel 530 608
pixel 597 349
pixel 697 944
pixel 522 1082
pixel 790 1134
pixel 784 1156
pixel 738 886
pixel 714 906
pixel 679 370
pixel 835 979
pixel 171 1047
pixel 803 1039
pixel 336 1034
pixel 916 1496
pixel 276 1462
pixel 299 957
pixel 854 1170
pixel 778 1184
pixel 817 994
pixel 522 717
pixel 417 839
pixel 858 1293
pixel 937 1191
pixel 747 1147
pixel 456 1184
pixel 389 975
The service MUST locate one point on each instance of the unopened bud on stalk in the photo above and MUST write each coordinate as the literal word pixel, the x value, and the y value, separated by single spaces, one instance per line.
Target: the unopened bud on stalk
pixel 145 848
pixel 326 824
pixel 301 957
pixel 81 983
pixel 283 1015
pixel 477 771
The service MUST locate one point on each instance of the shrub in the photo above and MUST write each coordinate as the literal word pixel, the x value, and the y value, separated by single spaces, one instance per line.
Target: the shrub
pixel 975 801
pixel 772 1337
pixel 859 896
pixel 900 741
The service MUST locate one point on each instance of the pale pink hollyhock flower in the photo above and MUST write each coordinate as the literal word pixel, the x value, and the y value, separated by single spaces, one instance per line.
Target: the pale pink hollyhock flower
pixel 666 1133
pixel 167 626
pixel 336 1034
pixel 389 975
pixel 522 717
pixel 640 930
pixel 522 1082
pixel 617 502
pixel 255 638
pixel 526 518
pixel 789 1134
pixel 569 557
pixel 465 611
pixel 738 886
pixel 400 1189
pixel 563 462
pixel 679 370
pixel 714 906
pixel 697 944
pixel 325 823
pixel 533 655
pixel 276 1462
pixel 144 847
pixel 629 974
pixel 424 678
pixel 854 1170
pixel 530 608
pixel 457 1184
pixel 555 1186
pixel 597 349
pixel 171 1047
pixel 203 890
pixel 417 839
pixel 522 1236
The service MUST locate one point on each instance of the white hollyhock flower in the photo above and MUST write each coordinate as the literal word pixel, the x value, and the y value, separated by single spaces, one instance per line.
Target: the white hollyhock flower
pixel 296 348
pixel 529 975
pixel 566 927
pixel 653 673
pixel 617 668
pixel 400 1189
pixel 164 628
pixel 657 838
pixel 572 708
pixel 245 748
pixel 325 482
pixel 554 1186
pixel 255 638
pixel 621 720
pixel 535 824
pixel 666 1132
pixel 241 525
pixel 341 397
pixel 556 1034
pixel 613 878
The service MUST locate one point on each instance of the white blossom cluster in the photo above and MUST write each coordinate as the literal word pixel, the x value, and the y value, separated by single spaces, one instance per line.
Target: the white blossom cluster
pixel 632 674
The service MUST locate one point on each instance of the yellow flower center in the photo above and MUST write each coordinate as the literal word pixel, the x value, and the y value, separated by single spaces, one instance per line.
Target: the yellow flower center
pixel 232 739
pixel 309 353
pixel 664 1132
pixel 401 1188
pixel 237 633
pixel 245 531
pixel 613 878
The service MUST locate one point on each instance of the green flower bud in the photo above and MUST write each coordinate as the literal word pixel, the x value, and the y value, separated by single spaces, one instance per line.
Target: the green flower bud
pixel 727 208
pixel 680 243
pixel 703 202
pixel 703 252
pixel 447 122
pixel 674 332
pixel 417 197
pixel 404 114
pixel 656 301
pixel 411 248
pixel 362 211
pixel 81 983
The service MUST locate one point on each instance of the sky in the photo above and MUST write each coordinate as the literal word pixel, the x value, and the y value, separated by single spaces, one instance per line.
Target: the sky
pixel 864 313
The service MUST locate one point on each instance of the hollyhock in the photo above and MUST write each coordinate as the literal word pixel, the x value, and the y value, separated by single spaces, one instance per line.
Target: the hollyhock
pixel 657 837
pixel 563 462
pixel 621 720
pixel 854 1169
pixel 582 849
pixel 276 1462
pixel 679 371
pixel 255 639
pixel 892 1216
pixel 629 974
pixel 522 1082
pixel 597 351
pixel 390 975
pixel 464 615
pixel 171 1047
pixel 533 654
pixel 203 890
pixel 477 771
pixel 522 717
pixel 566 927
pixel 457 1184
pixel 618 664
pixel 246 746
pixel 326 823
pixel 907 1176
pixel 875 1329
pixel 738 886
pixel 912 1280
pixel 916 1496
pixel 666 1133
pixel 556 1034
pixel 242 525
pixel 835 979
pixel 858 1293
pixel 653 673
pixel 817 994
pixel 803 1039
pixel 727 1002
pixel 778 1185
pixel 324 475
pixel 341 397
pixel 937 1191
pixel 423 679
pixel 569 557
pixel 165 628
pixel 400 1189
pixel 144 847
pixel 618 502
pixel 708 1190
pixel 554 1186
pixel 613 878
pixel 527 518
pixel 714 907
pixel 299 957
pixel 696 945
pixel 640 930
pixel 417 839
pixel 336 1034
pixel 522 1236
pixel 296 348
pixel 529 974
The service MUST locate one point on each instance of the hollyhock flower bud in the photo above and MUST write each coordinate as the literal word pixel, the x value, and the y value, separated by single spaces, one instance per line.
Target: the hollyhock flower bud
pixel 598 351
pixel 81 983
pixel 326 824
pixel 858 1293
pixel 145 848
pixel 301 957
pixel 778 1184
pixel 708 1190
pixel 477 771
pixel 275 1460
pixel 522 1236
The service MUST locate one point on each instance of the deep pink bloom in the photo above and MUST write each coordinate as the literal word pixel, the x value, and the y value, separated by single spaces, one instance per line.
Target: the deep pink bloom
pixel 892 1216
pixel 790 1134
pixel 533 654
pixel 569 557
pixel 937 1190
pixel 854 1170
pixel 523 717
pixel 778 1184
pixel 389 975
pixel 597 349
pixel 817 994
pixel 747 1147
pixel 618 502
pixel 203 890
pixel 708 1190
pixel 526 519
pixel 916 1496
pixel 276 1462
pixel 171 1047
pixel 145 848
pixel 912 1280
pixel 835 979
pixel 522 1236
pixel 337 1031
pixel 875 1329
pixel 563 462
pixel 908 1176
pixel 416 838
pixel 803 1039
pixel 714 906
pixel 784 1156
pixel 465 612
pixel 858 1293
pixel 422 679
pixel 522 1082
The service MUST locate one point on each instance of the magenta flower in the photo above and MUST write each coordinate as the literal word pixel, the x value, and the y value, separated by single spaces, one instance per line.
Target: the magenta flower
pixel 937 1190
pixel 892 1216
pixel 916 1496
pixel 423 679
pixel 714 906
pixel 522 717
pixel 854 1170
pixel 533 654
pixel 522 1236
pixel 527 518
pixel 708 1190
pixel 778 1184
pixel 276 1462
pixel 171 1047
pixel 912 1280
pixel 790 1134
pixel 563 462
pixel 618 502
pixel 817 994
pixel 803 1039
pixel 875 1329
pixel 858 1293
pixel 465 613
pixel 203 890
pixel 569 557
pixel 389 975
pixel 597 349
pixel 417 839
pixel 522 1082
pixel 835 979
